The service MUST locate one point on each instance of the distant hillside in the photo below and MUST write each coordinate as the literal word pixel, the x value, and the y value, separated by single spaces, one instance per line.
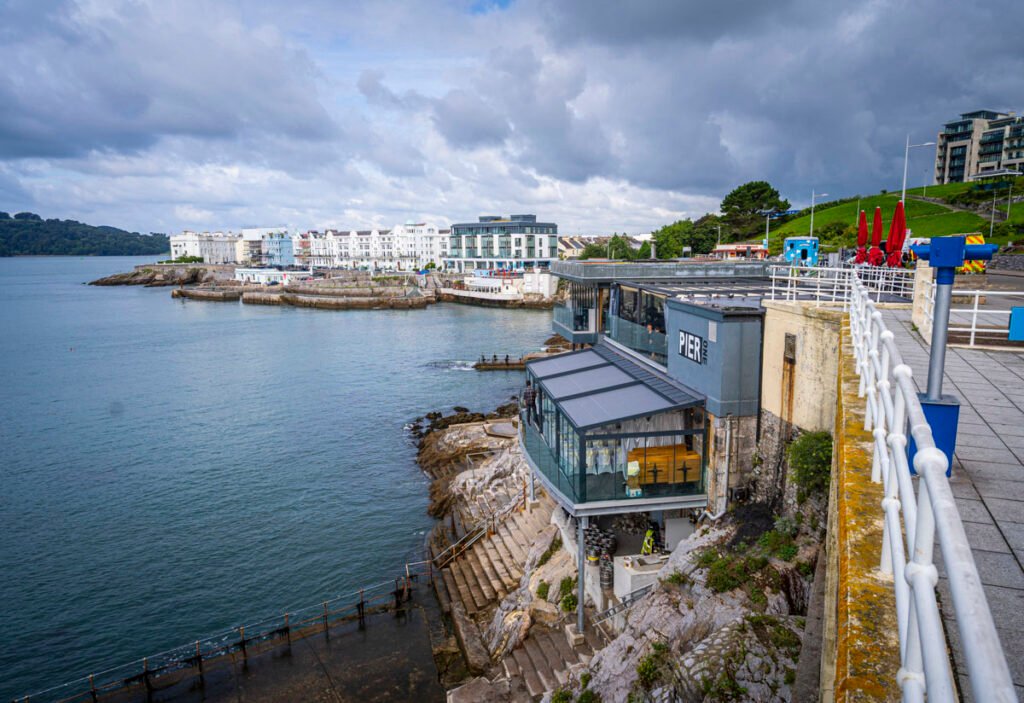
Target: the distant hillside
pixel 835 222
pixel 27 234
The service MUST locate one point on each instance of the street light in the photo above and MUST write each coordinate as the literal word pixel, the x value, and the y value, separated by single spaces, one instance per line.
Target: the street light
pixel 906 160
pixel 813 196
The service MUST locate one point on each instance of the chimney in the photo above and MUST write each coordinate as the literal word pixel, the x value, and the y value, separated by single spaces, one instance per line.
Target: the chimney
pixel 654 249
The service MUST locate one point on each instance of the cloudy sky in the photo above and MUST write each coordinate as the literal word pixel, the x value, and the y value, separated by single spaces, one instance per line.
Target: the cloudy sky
pixel 159 115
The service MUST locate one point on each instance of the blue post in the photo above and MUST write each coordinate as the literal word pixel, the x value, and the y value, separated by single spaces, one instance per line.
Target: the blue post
pixel 945 254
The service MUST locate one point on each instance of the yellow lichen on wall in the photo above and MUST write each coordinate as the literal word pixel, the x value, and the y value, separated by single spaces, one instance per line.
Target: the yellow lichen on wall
pixel 866 651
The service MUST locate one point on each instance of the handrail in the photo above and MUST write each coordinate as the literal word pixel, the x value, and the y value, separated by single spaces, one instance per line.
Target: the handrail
pixel 974 309
pixel 893 404
pixel 467 540
pixel 630 598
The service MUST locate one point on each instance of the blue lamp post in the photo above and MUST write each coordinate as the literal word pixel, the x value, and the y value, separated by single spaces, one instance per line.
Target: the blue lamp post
pixel 945 255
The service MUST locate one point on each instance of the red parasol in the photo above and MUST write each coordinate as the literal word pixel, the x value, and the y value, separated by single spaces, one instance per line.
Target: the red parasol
pixel 897 235
pixel 862 238
pixel 876 257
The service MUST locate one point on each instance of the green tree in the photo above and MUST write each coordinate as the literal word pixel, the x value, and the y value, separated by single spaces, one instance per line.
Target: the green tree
pixel 644 251
pixel 620 249
pixel 744 209
pixel 671 239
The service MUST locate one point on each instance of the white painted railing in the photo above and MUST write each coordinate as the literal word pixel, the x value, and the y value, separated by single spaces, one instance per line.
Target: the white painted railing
pixel 822 284
pixel 981 318
pixel 912 523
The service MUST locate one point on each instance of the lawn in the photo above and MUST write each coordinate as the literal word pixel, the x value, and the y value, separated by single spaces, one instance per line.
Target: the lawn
pixel 924 219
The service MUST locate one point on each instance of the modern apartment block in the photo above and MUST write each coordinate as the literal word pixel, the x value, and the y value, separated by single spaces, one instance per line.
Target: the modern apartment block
pixel 979 143
pixel 506 243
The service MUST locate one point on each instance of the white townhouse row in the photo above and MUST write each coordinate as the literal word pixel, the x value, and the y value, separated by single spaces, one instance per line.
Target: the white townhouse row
pixel 408 247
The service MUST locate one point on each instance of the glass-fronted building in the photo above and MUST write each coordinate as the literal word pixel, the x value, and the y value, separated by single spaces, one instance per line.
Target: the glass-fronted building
pixel 509 243
pixel 608 435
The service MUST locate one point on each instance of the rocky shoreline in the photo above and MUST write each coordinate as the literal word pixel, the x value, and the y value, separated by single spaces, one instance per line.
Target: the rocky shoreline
pixel 724 621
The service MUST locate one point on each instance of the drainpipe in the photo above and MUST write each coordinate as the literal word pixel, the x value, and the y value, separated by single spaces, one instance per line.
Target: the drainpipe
pixel 581 525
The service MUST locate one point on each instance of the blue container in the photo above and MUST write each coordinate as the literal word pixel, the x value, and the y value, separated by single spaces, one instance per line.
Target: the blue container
pixel 801 251
pixel 1017 324
pixel 943 416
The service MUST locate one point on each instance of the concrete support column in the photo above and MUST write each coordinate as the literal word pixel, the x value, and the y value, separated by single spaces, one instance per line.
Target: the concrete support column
pixel 533 488
pixel 581 525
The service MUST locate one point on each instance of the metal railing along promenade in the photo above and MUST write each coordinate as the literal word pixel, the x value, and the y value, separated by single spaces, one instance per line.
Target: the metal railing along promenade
pixel 981 320
pixel 915 521
pixel 824 285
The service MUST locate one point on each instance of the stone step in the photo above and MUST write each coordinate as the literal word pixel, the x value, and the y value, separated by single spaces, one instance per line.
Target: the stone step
pixel 472 596
pixel 475 573
pixel 488 573
pixel 565 651
pixel 554 658
pixel 534 686
pixel 461 591
pixel 515 557
pixel 509 571
pixel 441 589
pixel 540 664
pixel 505 581
pixel 515 535
pixel 592 638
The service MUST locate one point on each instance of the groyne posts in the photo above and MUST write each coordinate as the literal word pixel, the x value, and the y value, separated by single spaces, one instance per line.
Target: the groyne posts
pixel 199 665
pixel 241 634
pixel 361 609
pixel 327 629
pixel 92 688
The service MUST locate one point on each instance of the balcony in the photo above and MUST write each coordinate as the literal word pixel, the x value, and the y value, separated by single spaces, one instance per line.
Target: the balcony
pixel 642 339
pixel 578 325
pixel 611 474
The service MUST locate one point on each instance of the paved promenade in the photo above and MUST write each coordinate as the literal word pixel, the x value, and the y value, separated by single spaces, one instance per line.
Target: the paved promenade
pixel 988 478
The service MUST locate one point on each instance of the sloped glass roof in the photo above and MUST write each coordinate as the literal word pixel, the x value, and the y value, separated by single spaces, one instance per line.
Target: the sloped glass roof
pixel 601 385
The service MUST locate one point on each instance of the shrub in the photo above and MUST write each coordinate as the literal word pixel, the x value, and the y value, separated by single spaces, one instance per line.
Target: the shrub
pixel 585 679
pixel 569 602
pixel 566 586
pixel 723 687
pixel 561 696
pixel 810 458
pixel 677 578
pixel 790 678
pixel 556 544
pixel 589 696
pixel 542 590
pixel 778 544
pixel 650 668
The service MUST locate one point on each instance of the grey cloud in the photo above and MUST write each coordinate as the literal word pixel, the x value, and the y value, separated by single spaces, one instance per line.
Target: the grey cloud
pixel 371 85
pixel 466 121
pixel 75 80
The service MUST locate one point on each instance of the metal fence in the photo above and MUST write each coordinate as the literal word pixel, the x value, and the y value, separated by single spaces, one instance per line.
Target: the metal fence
pixel 913 521
pixel 190 663
pixel 980 317
pixel 823 284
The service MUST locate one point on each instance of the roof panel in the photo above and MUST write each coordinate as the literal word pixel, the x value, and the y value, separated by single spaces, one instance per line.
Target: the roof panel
pixel 564 363
pixel 586 381
pixel 609 406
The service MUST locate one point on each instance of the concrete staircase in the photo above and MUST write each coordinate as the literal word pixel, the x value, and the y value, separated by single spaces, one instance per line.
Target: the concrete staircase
pixel 492 567
pixel 542 662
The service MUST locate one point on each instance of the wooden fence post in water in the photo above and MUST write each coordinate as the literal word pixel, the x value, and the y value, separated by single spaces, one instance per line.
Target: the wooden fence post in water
pixel 199 661
pixel 92 688
pixel 145 678
pixel 361 608
pixel 287 630
pixel 241 634
pixel 327 631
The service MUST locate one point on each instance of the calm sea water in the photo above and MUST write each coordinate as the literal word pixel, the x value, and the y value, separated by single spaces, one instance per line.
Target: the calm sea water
pixel 170 469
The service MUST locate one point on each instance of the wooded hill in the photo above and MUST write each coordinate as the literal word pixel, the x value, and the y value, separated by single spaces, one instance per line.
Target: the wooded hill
pixel 28 234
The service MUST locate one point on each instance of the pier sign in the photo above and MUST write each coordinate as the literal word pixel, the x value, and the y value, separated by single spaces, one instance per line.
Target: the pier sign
pixel 693 347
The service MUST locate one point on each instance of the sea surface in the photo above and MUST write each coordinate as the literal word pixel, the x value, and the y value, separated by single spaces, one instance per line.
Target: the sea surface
pixel 170 469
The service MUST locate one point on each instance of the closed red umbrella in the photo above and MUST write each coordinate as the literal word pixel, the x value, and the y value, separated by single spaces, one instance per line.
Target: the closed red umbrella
pixel 897 235
pixel 876 257
pixel 862 238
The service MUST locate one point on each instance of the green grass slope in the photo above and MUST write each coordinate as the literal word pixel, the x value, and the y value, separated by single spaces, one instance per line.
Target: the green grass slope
pixel 924 219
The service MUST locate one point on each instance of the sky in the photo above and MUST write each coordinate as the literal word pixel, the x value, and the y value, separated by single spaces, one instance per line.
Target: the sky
pixel 600 115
